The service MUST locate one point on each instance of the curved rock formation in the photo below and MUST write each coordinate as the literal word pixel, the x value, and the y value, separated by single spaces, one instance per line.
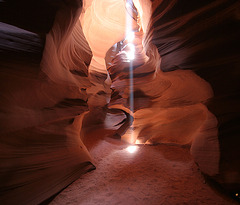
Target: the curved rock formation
pixel 168 107
pixel 176 82
pixel 42 107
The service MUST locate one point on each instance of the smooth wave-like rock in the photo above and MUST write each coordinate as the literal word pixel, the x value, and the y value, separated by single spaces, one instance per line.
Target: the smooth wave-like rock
pixel 62 78
pixel 168 107
pixel 42 109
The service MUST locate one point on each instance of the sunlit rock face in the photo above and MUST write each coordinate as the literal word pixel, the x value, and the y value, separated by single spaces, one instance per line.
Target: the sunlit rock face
pixel 104 24
pixel 74 73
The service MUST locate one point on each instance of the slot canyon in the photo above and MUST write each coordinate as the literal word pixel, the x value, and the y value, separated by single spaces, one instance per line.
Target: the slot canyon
pixel 119 102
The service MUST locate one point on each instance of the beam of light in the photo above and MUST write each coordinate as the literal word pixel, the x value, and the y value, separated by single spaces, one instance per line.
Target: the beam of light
pixel 130 36
pixel 128 5
pixel 132 148
pixel 131 52
pixel 130 55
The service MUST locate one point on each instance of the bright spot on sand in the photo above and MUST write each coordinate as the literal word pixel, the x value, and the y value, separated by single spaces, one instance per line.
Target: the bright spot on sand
pixel 132 149
pixel 138 142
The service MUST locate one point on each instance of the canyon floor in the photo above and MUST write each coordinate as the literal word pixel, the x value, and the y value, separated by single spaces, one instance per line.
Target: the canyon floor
pixel 160 174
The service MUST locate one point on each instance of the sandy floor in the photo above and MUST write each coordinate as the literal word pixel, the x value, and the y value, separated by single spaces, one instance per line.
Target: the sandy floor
pixel 152 175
